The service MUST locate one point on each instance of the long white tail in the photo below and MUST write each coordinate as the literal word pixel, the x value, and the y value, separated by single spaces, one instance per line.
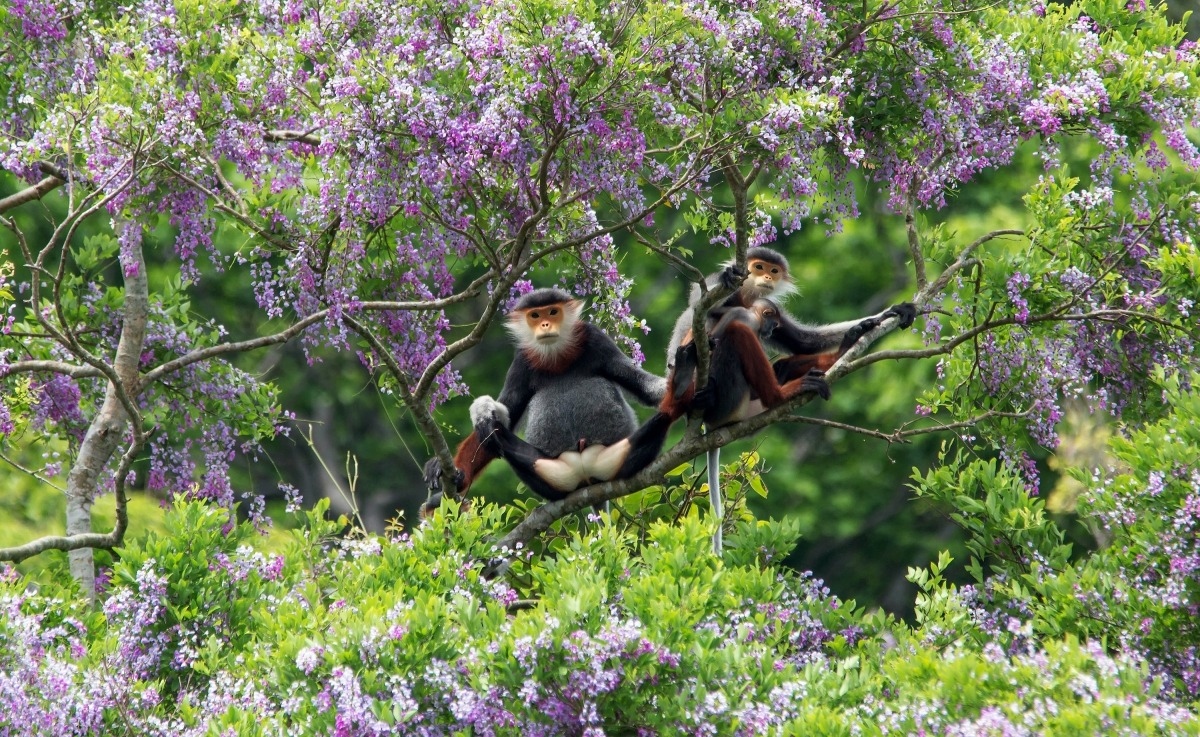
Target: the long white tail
pixel 714 496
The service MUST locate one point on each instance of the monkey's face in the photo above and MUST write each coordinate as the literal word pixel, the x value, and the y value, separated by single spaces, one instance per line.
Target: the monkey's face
pixel 765 277
pixel 768 318
pixel 545 325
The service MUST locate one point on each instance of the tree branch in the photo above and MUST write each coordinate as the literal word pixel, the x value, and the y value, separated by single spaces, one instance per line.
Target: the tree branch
pixel 914 244
pixel 965 258
pixel 291 136
pixel 107 428
pixel 57 367
pixel 419 410
pixel 1053 316
pixel 29 194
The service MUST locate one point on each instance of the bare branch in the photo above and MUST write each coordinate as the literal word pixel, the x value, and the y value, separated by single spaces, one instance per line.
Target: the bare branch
pixel 691 272
pixel 29 194
pixel 290 136
pixel 947 346
pixel 914 244
pixel 203 354
pixel 965 259
pixel 66 543
pixel 56 367
pixel 29 472
pixel 890 437
pixel 419 410
pixel 299 326
pixel 87 540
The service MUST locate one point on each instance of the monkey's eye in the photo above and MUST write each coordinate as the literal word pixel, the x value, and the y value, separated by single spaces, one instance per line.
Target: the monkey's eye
pixel 553 311
pixel 534 315
pixel 775 271
pixel 758 267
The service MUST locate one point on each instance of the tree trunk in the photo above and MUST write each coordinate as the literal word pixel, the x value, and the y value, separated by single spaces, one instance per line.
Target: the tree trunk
pixel 107 430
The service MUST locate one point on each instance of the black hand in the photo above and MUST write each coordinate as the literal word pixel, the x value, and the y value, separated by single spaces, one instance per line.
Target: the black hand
pixel 854 333
pixel 905 311
pixel 733 276
pixel 433 474
pixel 704 399
pixel 433 477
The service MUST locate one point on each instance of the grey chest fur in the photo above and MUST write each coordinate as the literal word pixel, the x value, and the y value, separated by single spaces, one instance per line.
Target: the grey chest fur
pixel 563 413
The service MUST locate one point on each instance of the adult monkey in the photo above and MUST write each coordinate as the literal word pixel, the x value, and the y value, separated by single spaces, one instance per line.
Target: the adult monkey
pixel 742 381
pixel 565 382
pixel 810 348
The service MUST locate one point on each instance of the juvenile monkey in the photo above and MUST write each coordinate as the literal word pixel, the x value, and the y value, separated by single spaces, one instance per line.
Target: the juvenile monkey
pixel 565 383
pixel 742 382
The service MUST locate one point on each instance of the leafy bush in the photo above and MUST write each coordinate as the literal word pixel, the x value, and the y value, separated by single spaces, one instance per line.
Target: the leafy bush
pixel 625 630
pixel 1139 592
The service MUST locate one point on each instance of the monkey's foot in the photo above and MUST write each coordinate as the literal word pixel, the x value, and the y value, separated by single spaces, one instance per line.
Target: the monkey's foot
pixel 906 312
pixel 814 382
pixel 432 473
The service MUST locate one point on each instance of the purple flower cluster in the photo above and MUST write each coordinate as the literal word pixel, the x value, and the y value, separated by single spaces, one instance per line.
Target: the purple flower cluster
pixel 58 402
pixel 962 130
pixel 1166 576
pixel 136 613
pixel 42 664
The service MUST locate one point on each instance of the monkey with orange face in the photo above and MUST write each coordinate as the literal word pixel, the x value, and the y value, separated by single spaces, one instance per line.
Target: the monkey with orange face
pixel 565 383
pixel 806 347
pixel 742 381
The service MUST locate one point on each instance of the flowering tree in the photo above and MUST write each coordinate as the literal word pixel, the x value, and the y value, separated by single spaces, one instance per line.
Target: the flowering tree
pixel 370 164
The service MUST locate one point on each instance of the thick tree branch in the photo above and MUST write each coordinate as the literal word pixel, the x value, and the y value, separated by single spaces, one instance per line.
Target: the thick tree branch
pixel 87 540
pixel 108 426
pixel 291 136
pixel 75 371
pixel 32 193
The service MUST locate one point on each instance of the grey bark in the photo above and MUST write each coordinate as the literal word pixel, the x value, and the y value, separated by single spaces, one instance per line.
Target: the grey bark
pixel 108 428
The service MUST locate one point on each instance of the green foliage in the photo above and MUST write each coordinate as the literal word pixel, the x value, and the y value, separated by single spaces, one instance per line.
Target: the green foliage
pixel 366 635
pixel 1007 528
pixel 1138 590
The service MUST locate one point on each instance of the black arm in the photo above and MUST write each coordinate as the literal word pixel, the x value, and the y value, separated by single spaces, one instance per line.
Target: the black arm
pixel 807 340
pixel 518 389
pixel 614 365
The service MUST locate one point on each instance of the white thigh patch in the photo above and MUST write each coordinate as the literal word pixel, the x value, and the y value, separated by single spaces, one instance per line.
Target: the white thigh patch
pixel 570 469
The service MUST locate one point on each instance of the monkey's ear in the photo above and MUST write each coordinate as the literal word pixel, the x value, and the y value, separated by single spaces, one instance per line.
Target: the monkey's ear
pixel 574 307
